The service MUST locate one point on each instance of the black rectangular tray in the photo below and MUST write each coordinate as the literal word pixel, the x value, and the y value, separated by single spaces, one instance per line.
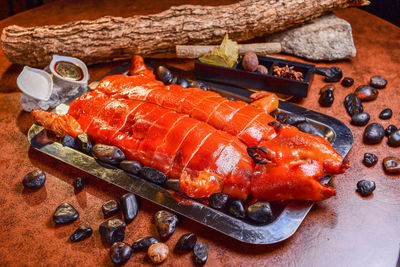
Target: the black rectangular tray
pixel 237 76
pixel 285 224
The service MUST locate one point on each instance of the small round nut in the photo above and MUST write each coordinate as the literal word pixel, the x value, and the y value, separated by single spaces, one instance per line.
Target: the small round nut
pixel 262 69
pixel 250 61
pixel 158 252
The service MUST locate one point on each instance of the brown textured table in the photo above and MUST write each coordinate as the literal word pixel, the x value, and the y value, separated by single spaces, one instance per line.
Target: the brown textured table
pixel 346 230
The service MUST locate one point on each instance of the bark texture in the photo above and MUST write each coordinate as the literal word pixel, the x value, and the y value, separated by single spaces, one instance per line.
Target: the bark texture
pixel 109 38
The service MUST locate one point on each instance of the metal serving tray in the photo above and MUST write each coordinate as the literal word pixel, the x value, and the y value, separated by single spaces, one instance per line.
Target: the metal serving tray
pixel 285 224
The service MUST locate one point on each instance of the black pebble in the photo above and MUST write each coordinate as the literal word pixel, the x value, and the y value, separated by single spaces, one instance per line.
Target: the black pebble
pixel 373 133
pixel 347 82
pixel 370 159
pixel 129 207
pixel 261 212
pixel 65 213
pixel 110 208
pixel 322 71
pixel 353 104
pixel 360 119
pixel 378 82
pixel 309 128
pixel 165 223
pixel 131 166
pixel 218 200
pixel 290 118
pixel 81 233
pixel 79 184
pixel 236 208
pixel 200 253
pixel 120 253
pixel 365 187
pixel 163 74
pixel 83 143
pixel 394 139
pixel 144 243
pixel 186 242
pixel 386 114
pixel 366 93
pixel 108 154
pixel 112 230
pixel 69 141
pixel 333 75
pixel 34 179
pixel 153 175
pixel 390 129
pixel 326 98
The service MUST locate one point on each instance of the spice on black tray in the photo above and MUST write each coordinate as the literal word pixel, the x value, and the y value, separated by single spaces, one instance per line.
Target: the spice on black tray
pixel 288 72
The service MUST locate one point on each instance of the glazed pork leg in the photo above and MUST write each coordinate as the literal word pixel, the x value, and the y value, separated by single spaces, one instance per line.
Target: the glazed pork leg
pixel 251 125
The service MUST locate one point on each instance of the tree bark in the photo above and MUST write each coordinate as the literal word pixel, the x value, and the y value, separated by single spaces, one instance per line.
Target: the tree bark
pixel 109 38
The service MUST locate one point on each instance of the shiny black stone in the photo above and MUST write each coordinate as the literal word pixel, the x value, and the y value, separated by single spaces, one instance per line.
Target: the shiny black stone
pixel 347 82
pixel 81 233
pixel 186 242
pixel 311 129
pixel 65 213
pixel 163 74
pixel 108 154
pixel 366 93
pixel 183 82
pixel 373 133
pixel 165 223
pixel 326 98
pixel 218 200
pixel 153 175
pixel 365 187
pixel 110 208
pixel 390 129
pixel 333 75
pixel 144 243
pixel 394 139
pixel 378 82
pixel 370 159
pixel 322 71
pixel 83 143
pixel 360 119
pixel 79 184
pixel 290 118
pixel 236 208
pixel 69 141
pixel 131 166
pixel 353 104
pixel 129 207
pixel 200 253
pixel 386 114
pixel 120 253
pixel 261 212
pixel 112 230
pixel 34 179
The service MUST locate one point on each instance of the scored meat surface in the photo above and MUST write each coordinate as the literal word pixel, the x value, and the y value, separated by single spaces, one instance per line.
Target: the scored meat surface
pixel 202 138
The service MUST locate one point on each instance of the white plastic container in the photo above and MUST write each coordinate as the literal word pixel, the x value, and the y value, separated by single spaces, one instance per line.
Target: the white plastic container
pixel 79 63
pixel 35 83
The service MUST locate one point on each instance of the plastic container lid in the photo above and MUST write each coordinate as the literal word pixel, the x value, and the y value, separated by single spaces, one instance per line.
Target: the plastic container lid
pixel 35 83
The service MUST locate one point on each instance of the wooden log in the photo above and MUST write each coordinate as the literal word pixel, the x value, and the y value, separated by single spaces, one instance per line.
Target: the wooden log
pixel 195 51
pixel 108 38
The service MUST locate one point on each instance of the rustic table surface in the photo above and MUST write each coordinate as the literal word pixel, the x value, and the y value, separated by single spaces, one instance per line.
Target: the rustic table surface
pixel 346 230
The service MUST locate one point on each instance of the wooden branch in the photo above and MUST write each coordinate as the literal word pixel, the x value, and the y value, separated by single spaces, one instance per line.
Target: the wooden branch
pixel 107 38
pixel 195 51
